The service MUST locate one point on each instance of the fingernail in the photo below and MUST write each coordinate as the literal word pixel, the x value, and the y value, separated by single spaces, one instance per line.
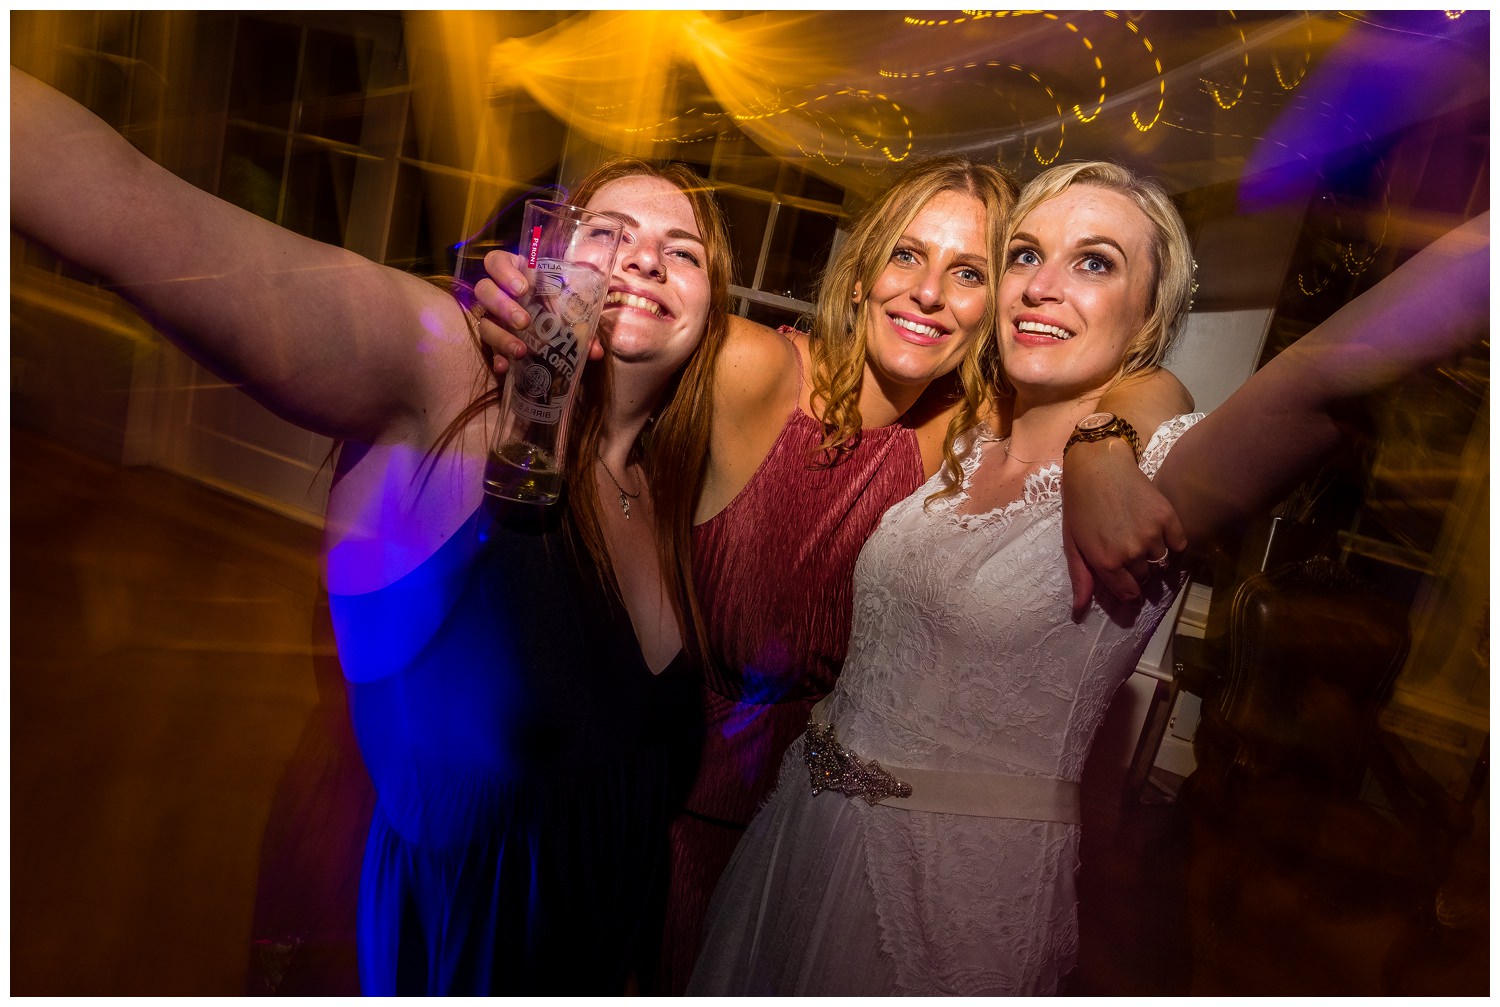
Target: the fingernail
pixel 518 319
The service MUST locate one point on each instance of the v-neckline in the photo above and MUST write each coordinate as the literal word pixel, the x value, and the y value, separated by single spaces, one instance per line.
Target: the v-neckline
pixel 1034 489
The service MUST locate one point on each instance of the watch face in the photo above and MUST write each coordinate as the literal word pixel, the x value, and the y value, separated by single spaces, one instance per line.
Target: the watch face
pixel 1095 421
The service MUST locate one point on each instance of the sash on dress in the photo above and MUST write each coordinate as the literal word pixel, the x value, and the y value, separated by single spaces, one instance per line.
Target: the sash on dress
pixel 831 766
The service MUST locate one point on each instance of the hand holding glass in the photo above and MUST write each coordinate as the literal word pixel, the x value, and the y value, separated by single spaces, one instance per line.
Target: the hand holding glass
pixel 568 254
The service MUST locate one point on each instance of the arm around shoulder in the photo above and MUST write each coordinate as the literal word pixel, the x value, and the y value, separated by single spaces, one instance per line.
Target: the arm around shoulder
pixel 1114 519
pixel 1146 400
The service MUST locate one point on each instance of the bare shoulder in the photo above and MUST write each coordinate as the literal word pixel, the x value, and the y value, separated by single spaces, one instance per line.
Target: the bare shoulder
pixel 756 387
pixel 758 371
pixel 930 417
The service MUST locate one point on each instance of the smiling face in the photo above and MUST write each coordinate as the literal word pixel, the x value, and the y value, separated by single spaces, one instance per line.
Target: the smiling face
pixel 930 299
pixel 1075 292
pixel 659 292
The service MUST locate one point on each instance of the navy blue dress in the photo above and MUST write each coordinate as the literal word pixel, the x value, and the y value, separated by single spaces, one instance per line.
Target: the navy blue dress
pixel 527 764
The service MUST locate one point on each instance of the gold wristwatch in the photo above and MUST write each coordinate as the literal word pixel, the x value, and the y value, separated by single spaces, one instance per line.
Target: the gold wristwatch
pixel 1097 426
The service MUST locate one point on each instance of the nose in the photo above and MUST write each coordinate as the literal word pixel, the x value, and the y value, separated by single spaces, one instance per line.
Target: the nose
pixel 642 258
pixel 1043 284
pixel 927 289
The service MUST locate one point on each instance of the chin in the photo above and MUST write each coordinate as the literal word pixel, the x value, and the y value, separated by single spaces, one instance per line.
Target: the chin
pixel 912 368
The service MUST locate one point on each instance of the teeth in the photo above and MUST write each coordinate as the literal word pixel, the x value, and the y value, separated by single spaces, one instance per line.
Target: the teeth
pixel 1038 329
pixel 632 301
pixel 930 331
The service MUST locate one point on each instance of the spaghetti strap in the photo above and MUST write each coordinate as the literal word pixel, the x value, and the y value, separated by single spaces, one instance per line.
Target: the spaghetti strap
pixel 789 331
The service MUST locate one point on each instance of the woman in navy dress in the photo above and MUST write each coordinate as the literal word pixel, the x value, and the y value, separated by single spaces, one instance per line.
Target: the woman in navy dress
pixel 523 686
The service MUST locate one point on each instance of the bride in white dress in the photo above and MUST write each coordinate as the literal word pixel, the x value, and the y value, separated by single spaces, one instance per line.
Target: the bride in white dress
pixel 924 835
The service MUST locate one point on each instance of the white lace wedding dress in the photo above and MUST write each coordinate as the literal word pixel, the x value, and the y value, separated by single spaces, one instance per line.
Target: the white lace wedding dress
pixel 963 658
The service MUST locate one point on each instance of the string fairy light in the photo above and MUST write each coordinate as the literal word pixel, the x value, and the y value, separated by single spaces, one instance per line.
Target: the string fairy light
pixel 1306 60
pixel 1244 72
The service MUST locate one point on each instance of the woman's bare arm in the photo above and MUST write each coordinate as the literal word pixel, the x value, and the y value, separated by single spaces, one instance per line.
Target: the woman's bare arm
pixel 1114 519
pixel 1252 449
pixel 321 336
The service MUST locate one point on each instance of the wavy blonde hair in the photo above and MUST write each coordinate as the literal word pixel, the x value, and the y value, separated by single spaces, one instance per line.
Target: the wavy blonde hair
pixel 838 325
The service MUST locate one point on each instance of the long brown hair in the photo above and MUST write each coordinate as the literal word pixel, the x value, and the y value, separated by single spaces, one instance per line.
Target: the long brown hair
pixel 673 447
pixel 838 327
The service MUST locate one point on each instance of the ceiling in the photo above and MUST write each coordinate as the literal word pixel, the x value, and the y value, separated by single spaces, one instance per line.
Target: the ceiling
pixel 1196 97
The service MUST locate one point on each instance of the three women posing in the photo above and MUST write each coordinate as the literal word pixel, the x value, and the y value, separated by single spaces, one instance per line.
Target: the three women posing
pixel 813 437
pixel 526 766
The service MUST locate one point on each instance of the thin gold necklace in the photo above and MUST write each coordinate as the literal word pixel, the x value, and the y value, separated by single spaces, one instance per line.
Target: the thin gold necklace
pixel 625 498
pixel 1005 446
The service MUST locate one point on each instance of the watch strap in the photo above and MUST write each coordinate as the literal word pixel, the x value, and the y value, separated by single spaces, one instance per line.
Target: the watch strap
pixel 1116 427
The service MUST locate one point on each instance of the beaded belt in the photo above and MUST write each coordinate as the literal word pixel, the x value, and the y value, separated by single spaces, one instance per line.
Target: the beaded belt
pixel 831 766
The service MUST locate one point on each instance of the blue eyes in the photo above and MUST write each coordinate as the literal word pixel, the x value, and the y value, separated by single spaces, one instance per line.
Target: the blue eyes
pixel 965 274
pixel 1092 263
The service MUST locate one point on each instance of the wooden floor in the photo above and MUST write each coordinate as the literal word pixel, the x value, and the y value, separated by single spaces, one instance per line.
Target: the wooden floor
pixel 162 672
pixel 160 678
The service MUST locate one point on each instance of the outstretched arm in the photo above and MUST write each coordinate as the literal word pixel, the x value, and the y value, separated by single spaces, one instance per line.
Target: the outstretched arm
pixel 1114 519
pixel 1253 448
pixel 320 335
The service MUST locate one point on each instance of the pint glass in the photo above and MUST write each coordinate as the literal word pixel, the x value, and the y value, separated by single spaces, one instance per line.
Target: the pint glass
pixel 568 254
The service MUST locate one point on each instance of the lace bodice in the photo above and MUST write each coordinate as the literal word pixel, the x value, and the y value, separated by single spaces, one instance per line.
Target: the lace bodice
pixel 963 655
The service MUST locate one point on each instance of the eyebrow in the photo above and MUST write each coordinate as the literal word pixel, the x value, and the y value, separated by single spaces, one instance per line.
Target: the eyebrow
pixel 1084 242
pixel 977 258
pixel 629 221
pixel 1100 239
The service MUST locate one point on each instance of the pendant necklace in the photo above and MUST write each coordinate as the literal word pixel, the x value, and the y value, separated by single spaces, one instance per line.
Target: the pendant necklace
pixel 625 498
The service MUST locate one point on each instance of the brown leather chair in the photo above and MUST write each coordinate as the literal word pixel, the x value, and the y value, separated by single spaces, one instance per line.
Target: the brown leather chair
pixel 1303 811
pixel 1311 658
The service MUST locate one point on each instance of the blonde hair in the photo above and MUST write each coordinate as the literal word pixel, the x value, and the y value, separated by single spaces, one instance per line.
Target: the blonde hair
pixel 1171 292
pixel 838 325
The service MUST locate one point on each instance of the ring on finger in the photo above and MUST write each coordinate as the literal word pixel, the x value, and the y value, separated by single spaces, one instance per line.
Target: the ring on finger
pixel 1162 560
